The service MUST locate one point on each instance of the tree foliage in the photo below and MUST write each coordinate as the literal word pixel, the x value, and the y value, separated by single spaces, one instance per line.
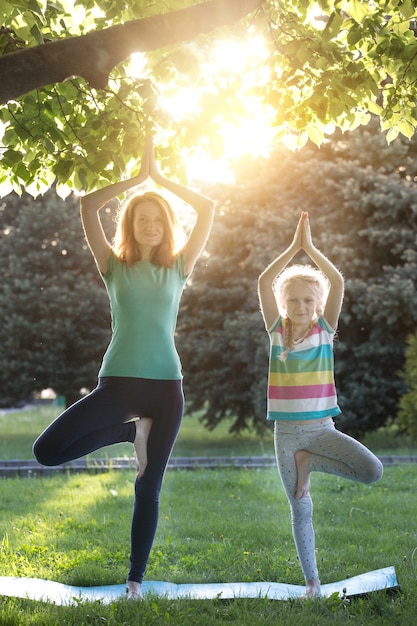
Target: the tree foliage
pixel 362 199
pixel 407 414
pixel 55 312
pixel 328 64
pixel 71 132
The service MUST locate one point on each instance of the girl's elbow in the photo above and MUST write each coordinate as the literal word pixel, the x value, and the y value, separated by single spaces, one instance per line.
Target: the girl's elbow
pixel 263 281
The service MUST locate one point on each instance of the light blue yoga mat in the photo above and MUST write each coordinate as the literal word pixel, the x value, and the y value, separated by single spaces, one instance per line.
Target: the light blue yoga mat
pixel 57 593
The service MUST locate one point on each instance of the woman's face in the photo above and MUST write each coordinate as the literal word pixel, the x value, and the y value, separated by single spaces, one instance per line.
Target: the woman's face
pixel 301 303
pixel 148 225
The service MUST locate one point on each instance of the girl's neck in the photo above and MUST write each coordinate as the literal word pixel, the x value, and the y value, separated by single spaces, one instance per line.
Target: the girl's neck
pixel 299 332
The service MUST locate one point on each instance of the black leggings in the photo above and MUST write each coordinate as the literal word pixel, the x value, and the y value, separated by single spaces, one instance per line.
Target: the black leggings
pixel 99 420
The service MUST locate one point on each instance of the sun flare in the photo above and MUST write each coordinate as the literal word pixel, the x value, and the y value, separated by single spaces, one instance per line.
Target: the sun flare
pixel 228 74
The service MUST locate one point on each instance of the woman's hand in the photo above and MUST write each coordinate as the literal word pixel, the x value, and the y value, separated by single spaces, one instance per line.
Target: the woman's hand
pixel 144 163
pixel 154 171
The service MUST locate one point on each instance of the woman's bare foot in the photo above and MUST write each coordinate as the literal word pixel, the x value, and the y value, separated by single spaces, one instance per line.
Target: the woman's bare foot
pixel 312 588
pixel 133 590
pixel 143 426
pixel 302 461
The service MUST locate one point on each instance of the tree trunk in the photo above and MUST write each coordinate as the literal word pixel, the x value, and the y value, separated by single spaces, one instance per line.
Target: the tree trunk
pixel 94 55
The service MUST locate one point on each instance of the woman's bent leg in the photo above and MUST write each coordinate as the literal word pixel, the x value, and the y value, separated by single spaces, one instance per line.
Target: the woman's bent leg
pixel 143 426
pixel 93 422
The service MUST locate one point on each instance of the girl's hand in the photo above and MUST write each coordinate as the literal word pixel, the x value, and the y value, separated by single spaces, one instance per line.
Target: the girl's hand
pixel 307 241
pixel 297 242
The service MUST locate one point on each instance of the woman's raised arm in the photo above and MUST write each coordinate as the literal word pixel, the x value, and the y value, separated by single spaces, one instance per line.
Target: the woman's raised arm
pixel 93 202
pixel 203 206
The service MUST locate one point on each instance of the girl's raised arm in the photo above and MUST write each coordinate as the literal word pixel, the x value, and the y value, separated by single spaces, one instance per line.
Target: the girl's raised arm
pixel 267 298
pixel 335 297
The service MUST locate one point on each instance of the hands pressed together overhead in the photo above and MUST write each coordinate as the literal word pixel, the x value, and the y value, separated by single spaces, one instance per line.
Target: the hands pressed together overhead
pixel 302 237
pixel 148 166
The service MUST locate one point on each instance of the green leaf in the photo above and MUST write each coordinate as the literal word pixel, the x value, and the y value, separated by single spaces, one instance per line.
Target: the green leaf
pixel 333 26
pixel 36 34
pixel 34 6
pixel 316 135
pixel 392 134
pixel 407 9
pixel 354 36
pixel 11 157
pixel 357 10
pixel 63 168
pixel 406 129
pixel 374 108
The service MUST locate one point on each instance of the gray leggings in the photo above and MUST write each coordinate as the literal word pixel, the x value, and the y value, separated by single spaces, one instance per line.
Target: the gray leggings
pixel 332 452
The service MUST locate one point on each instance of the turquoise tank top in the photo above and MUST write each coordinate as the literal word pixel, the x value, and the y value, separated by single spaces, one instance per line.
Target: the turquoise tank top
pixel 144 300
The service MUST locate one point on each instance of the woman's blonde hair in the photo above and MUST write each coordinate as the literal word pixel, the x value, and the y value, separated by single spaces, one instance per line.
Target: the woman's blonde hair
pixel 125 245
pixel 319 285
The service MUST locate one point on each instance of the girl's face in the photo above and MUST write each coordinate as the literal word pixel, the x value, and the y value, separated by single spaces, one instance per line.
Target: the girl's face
pixel 301 303
pixel 148 225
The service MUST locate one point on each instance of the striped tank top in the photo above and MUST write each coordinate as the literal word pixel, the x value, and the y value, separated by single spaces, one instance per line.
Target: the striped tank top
pixel 302 387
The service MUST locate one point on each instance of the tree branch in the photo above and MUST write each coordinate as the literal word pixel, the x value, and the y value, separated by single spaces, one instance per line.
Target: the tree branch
pixel 94 55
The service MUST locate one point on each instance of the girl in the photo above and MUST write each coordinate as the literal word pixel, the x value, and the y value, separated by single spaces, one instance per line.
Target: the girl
pixel 139 392
pixel 301 315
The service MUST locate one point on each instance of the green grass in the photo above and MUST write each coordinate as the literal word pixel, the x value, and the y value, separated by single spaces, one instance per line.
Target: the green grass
pixel 215 525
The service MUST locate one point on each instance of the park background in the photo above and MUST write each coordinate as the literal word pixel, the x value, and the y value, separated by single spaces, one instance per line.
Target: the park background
pixel 361 195
pixel 222 523
pixel 313 103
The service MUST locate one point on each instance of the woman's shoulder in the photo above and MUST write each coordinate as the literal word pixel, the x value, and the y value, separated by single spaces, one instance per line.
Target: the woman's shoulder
pixel 179 266
pixel 110 265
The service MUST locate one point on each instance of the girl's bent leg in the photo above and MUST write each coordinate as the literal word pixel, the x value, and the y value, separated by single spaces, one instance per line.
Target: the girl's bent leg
pixel 317 447
pixel 335 453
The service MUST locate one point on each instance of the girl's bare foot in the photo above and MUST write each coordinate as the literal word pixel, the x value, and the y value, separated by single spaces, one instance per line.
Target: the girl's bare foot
pixel 312 588
pixel 143 426
pixel 133 590
pixel 302 461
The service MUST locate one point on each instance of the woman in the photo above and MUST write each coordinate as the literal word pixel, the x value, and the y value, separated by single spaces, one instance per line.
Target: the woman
pixel 139 395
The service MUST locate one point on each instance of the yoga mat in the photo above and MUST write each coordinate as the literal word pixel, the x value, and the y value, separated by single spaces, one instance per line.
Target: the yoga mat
pixel 57 593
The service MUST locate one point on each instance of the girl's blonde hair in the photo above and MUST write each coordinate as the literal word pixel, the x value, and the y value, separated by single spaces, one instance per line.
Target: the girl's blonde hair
pixel 125 245
pixel 295 274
